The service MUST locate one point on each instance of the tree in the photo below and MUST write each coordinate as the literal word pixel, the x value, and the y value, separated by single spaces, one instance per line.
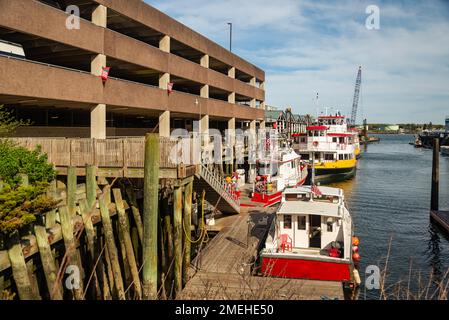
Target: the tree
pixel 8 123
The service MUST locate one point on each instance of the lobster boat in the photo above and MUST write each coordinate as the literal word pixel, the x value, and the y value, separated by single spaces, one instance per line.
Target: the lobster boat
pixel 311 237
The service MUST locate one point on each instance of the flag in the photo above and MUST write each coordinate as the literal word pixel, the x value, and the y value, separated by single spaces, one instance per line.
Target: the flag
pixel 105 73
pixel 316 190
pixel 169 87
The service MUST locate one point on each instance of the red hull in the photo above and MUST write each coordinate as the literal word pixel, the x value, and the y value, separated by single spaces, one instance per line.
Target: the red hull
pixel 305 269
pixel 268 200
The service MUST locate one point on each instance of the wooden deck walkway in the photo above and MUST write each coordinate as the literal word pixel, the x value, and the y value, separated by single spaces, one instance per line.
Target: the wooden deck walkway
pixel 113 157
pixel 442 218
pixel 223 268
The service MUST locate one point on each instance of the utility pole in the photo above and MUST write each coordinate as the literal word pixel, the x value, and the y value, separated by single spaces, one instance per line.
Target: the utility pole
pixel 230 36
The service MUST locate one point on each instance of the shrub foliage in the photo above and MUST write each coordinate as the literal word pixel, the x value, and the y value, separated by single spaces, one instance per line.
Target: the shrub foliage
pixel 19 204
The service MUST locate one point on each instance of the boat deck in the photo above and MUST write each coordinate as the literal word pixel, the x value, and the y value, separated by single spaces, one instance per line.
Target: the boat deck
pixel 222 270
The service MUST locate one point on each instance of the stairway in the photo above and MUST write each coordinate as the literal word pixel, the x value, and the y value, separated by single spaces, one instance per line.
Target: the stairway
pixel 212 182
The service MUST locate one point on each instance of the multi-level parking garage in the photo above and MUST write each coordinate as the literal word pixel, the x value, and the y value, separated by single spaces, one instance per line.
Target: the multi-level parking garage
pixel 57 85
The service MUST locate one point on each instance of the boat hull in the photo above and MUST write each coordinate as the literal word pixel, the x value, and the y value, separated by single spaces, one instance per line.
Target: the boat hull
pixel 325 176
pixel 299 268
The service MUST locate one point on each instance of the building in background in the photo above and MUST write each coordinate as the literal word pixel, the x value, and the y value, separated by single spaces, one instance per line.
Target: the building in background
pixel 163 75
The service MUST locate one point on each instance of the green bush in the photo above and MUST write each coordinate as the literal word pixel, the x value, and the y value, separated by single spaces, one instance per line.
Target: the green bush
pixel 15 160
pixel 19 206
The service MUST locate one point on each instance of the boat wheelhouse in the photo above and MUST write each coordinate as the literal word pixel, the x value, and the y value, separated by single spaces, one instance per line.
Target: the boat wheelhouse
pixel 329 148
pixel 311 237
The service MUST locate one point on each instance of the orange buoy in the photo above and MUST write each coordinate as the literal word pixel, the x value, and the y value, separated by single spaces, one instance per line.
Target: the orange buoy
pixel 356 257
pixel 355 241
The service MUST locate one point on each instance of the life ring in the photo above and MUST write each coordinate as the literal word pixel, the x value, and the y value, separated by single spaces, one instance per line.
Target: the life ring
pixel 315 143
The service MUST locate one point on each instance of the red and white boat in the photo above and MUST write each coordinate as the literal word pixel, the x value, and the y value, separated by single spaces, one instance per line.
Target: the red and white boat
pixel 312 237
pixel 275 174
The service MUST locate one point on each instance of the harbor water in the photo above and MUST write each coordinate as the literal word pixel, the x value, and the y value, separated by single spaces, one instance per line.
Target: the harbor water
pixel 389 200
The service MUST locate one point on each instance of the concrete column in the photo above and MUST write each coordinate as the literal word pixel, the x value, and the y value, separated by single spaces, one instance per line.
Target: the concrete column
pixel 98 122
pixel 205 61
pixel 252 166
pixel 98 113
pixel 253 81
pixel 100 16
pixel 204 124
pixel 164 44
pixel 231 72
pixel 231 97
pixel 262 125
pixel 231 145
pixel 204 92
pixel 164 79
pixel 262 105
pixel 164 124
pixel 97 63
pixel 262 85
pixel 253 103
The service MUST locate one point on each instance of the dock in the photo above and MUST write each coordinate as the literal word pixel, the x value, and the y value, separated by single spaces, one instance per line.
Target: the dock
pixel 223 269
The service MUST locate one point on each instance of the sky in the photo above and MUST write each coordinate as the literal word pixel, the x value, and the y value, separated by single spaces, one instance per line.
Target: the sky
pixel 308 47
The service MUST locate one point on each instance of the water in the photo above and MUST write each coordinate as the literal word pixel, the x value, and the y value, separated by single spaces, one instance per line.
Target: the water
pixel 390 198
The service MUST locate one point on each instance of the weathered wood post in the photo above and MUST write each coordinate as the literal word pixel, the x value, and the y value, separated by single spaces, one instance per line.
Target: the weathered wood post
pixel 435 175
pixel 71 191
pixel 177 231
pixel 124 225
pixel 91 186
pixel 187 230
pixel 150 215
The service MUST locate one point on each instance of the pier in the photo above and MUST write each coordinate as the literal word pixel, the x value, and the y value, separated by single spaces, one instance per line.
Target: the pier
pixel 438 216
pixel 226 268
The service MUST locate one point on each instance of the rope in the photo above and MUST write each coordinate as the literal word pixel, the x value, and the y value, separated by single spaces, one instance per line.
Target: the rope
pixel 204 236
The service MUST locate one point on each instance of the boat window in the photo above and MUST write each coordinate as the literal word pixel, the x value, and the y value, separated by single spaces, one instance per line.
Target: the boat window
pixel 305 156
pixel 301 222
pixel 328 156
pixel 334 139
pixel 291 197
pixel 340 157
pixel 287 221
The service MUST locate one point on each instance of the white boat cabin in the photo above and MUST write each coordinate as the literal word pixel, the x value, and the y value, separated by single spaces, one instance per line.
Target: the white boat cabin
pixel 311 224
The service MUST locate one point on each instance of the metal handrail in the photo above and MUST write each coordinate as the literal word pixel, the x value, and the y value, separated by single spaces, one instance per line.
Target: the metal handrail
pixel 215 180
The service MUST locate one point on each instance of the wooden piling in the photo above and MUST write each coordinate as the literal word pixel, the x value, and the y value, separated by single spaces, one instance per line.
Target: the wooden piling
pixel 435 175
pixel 48 262
pixel 177 233
pixel 71 191
pixel 187 231
pixel 20 272
pixel 70 246
pixel 91 185
pixel 112 249
pixel 124 226
pixel 150 215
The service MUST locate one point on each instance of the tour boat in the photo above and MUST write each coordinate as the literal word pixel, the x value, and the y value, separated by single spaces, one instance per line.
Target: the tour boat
pixel 329 148
pixel 311 237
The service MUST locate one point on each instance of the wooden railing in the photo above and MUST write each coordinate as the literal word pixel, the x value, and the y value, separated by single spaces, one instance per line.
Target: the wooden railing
pixel 107 153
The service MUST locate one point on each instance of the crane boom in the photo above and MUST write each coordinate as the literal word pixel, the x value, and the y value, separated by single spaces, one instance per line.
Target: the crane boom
pixel 355 102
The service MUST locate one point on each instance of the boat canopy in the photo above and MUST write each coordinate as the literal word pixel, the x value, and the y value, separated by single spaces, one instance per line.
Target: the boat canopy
pixel 311 208
pixel 326 191
pixel 340 134
pixel 318 128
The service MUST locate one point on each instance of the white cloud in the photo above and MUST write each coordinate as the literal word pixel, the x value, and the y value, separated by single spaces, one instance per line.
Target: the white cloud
pixel 309 46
